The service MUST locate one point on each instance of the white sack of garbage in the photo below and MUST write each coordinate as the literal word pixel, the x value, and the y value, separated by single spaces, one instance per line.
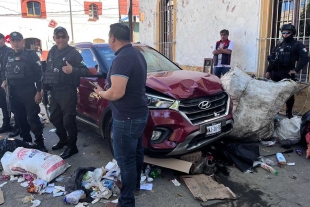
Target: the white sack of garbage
pixel 38 164
pixel 289 129
pixel 256 103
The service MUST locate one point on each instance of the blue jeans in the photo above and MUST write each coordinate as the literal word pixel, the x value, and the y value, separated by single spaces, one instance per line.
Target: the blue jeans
pixel 218 71
pixel 129 154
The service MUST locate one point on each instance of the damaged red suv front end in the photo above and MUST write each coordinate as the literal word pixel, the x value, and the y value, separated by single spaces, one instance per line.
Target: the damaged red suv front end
pixel 188 109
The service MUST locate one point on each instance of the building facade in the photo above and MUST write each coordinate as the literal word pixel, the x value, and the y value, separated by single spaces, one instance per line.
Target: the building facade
pixel 186 30
pixel 36 20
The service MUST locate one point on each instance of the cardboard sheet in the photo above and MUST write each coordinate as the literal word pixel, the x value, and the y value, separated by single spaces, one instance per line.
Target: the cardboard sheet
pixel 171 163
pixel 204 188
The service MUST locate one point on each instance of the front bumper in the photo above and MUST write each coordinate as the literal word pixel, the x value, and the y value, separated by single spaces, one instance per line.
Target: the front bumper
pixel 198 139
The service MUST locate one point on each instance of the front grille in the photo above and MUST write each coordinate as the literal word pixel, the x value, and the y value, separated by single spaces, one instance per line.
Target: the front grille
pixel 196 115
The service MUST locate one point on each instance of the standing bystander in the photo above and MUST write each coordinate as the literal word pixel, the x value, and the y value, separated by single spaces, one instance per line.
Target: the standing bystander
pixel 128 102
pixel 222 54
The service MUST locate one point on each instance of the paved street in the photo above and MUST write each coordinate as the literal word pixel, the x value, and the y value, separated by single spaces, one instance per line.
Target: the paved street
pixel 256 189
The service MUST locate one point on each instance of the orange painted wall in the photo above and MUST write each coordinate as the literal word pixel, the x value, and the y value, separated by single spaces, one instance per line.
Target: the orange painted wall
pixel 124 8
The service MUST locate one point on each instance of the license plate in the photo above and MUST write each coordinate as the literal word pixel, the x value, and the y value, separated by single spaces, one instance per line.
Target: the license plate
pixel 213 129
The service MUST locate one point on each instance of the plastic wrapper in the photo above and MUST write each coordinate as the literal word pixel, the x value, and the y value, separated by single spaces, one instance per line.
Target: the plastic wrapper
pixel 74 197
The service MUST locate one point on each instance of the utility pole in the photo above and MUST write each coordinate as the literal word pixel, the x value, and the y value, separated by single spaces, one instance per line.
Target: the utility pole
pixel 130 19
pixel 72 41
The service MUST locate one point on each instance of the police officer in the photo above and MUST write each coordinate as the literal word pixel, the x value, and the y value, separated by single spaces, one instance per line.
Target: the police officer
pixel 22 69
pixel 3 105
pixel 282 61
pixel 64 68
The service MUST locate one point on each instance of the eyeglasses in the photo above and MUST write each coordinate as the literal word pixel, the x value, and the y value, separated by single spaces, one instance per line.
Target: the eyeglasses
pixel 62 36
pixel 286 32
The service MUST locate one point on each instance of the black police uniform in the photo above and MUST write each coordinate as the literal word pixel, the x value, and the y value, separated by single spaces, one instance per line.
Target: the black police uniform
pixel 64 93
pixel 3 105
pixel 24 74
pixel 283 59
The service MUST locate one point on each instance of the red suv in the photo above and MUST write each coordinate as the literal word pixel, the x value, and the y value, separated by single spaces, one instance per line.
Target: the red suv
pixel 188 109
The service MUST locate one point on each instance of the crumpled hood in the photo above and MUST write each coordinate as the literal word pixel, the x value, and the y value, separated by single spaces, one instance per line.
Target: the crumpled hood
pixel 184 84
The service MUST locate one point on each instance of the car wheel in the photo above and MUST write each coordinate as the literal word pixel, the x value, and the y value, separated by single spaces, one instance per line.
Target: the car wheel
pixel 108 134
pixel 47 105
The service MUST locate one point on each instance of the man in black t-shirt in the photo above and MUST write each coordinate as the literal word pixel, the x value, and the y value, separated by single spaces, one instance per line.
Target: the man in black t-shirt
pixel 128 102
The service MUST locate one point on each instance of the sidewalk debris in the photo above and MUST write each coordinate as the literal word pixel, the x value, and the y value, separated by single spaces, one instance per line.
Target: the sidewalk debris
pixel 176 182
pixel 170 163
pixel 27 199
pixel 35 203
pixel 52 130
pixel 1 185
pixel 205 188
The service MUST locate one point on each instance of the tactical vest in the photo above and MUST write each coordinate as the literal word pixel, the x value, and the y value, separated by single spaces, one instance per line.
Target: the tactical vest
pixel 16 67
pixel 53 74
pixel 283 54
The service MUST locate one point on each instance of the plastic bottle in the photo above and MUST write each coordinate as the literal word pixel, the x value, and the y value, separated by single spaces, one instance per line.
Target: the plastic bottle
pixel 267 161
pixel 155 172
pixel 281 158
pixel 269 168
pixel 74 197
pixel 147 170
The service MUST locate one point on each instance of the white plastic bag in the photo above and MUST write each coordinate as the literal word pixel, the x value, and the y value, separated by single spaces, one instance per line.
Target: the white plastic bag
pixel 289 129
pixel 36 163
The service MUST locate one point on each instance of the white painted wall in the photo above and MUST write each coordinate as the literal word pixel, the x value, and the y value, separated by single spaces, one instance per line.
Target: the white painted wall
pixel 198 25
pixel 84 30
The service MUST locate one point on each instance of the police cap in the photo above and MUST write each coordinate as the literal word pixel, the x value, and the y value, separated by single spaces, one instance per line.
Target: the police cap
pixel 16 36
pixel 289 27
pixel 60 29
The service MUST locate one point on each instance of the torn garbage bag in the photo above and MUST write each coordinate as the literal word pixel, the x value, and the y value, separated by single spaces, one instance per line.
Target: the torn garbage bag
pixel 255 103
pixel 243 155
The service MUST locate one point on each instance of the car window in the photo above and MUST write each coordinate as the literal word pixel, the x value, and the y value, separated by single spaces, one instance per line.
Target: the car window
pixel 107 54
pixel 89 59
pixel 156 62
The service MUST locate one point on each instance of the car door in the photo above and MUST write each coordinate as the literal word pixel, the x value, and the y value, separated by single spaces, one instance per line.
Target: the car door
pixel 88 101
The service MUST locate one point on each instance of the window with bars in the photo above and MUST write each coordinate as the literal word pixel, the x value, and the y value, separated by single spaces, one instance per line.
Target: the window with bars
pixel 296 12
pixel 165 32
pixel 93 11
pixel 33 8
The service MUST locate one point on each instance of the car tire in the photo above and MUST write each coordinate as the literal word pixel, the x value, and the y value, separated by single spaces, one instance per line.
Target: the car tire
pixel 108 134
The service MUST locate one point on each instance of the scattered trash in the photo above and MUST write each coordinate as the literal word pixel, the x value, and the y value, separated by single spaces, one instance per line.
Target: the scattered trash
pixel 50 188
pixel 268 143
pixel 21 179
pixel 293 177
pixel 175 182
pixel 205 188
pixel 27 199
pixel 291 163
pixel 281 158
pixel 269 168
pixel 12 178
pixel 4 177
pixel 1 185
pixel 52 130
pixel 299 152
pixel 74 197
pixel 289 129
pixel 146 186
pixel 267 161
pixel 286 143
pixel 285 152
pixel 36 186
pixel 35 203
pixel 61 178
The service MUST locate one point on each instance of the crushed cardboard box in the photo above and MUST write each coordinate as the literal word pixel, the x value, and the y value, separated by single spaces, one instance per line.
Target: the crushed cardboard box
pixel 204 188
pixel 170 163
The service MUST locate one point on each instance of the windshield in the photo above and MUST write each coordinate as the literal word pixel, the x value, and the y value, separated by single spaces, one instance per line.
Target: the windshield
pixel 156 62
